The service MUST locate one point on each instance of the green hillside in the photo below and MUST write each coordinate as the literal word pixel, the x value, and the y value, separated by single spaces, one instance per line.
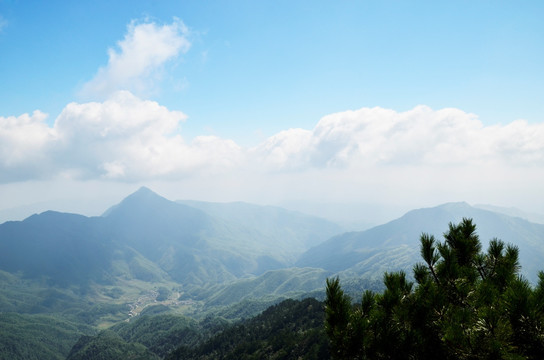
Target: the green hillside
pixel 289 330
pixel 108 346
pixel 393 246
pixel 38 337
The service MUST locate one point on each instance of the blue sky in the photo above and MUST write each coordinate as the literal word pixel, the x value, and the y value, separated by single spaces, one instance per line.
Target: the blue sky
pixel 275 64
pixel 245 72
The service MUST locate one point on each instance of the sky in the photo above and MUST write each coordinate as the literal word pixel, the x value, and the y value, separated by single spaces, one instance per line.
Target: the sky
pixel 362 109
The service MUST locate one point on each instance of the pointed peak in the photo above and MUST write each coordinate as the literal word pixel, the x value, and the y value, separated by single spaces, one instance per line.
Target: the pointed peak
pixel 143 194
pixel 143 197
pixel 144 190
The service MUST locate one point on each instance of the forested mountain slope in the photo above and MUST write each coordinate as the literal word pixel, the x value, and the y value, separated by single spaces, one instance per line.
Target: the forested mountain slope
pixel 289 330
pixel 394 245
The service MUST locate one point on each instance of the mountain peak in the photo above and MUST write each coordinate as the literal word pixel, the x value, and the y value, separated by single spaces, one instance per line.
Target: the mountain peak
pixel 143 197
pixel 461 205
pixel 143 193
pixel 144 190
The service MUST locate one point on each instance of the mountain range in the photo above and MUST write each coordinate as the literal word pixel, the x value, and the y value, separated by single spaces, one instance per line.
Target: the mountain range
pixel 153 237
pixel 201 244
pixel 201 259
pixel 395 245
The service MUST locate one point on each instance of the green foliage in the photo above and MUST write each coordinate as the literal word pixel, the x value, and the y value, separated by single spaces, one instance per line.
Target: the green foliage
pixel 39 337
pixel 160 333
pixel 467 304
pixel 114 293
pixel 108 346
pixel 244 309
pixel 337 313
pixel 274 284
pixel 164 293
pixel 291 329
pixel 26 296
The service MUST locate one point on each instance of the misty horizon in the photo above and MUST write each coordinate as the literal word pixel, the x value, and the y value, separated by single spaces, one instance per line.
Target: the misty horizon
pixel 367 118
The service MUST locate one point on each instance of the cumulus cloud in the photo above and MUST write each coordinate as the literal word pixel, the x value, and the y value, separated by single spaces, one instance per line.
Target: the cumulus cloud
pixel 24 143
pixel 132 139
pixel 123 138
pixel 136 63
pixel 287 149
pixel 380 137
pixel 373 154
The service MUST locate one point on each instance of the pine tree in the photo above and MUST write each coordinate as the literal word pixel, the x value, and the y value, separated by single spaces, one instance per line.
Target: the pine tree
pixel 466 304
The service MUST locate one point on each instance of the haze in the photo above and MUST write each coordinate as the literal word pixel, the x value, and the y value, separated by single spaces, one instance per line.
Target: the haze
pixel 347 110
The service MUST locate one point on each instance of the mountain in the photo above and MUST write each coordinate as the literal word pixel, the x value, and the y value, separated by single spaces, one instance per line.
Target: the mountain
pixel 150 255
pixel 288 330
pixel 108 345
pixel 514 212
pixel 150 238
pixel 45 337
pixel 191 246
pixel 287 229
pixel 395 245
pixel 57 246
pixel 200 243
pixel 283 283
pixel 227 247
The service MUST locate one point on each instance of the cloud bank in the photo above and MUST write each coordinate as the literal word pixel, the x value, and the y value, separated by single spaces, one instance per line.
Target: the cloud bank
pixel 129 139
pixel 123 138
pixel 136 64
pixel 377 137
pixel 401 160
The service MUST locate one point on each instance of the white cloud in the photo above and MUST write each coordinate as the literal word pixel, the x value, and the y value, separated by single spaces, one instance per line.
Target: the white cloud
pixel 288 148
pixel 380 137
pixel 128 138
pixel 132 139
pixel 123 138
pixel 136 64
pixel 24 142
pixel 421 156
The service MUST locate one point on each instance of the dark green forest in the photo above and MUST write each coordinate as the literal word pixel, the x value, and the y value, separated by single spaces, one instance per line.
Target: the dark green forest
pixel 292 329
pixel 289 330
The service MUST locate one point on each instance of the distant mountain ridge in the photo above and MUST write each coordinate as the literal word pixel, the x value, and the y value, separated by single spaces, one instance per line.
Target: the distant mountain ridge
pixel 200 242
pixel 273 222
pixel 514 212
pixel 183 242
pixel 395 245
